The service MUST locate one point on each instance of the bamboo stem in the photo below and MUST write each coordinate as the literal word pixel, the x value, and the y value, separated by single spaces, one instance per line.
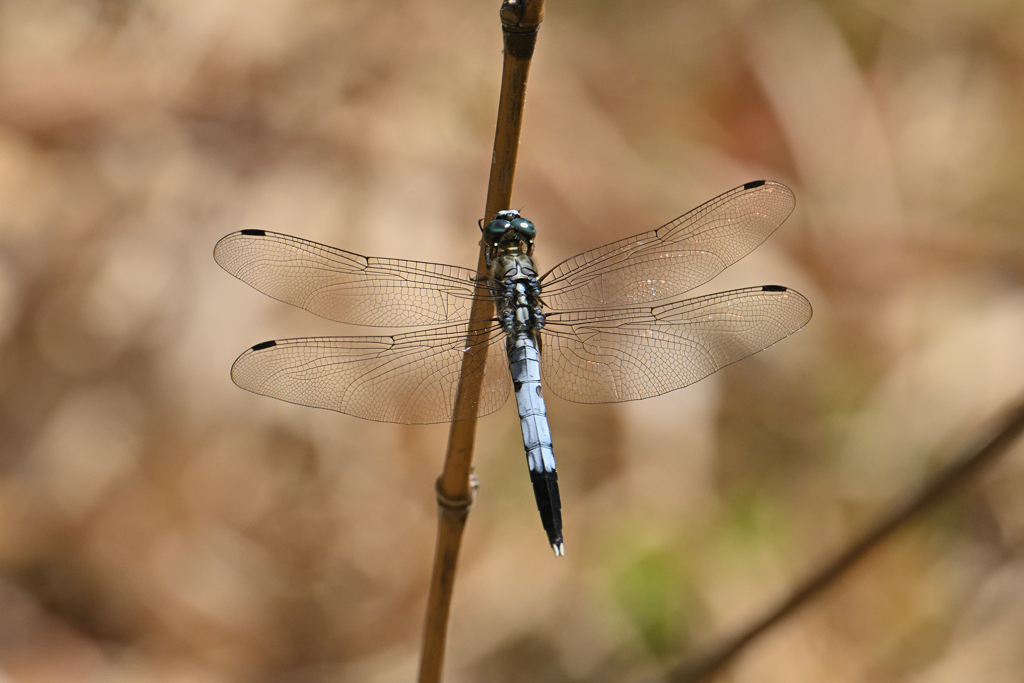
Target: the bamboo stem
pixel 999 438
pixel 520 20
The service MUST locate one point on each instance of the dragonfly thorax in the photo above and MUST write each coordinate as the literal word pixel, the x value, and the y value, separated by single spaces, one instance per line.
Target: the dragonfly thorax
pixel 517 297
pixel 512 265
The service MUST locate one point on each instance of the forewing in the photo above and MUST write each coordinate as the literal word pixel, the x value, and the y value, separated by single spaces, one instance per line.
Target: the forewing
pixel 624 354
pixel 339 285
pixel 408 378
pixel 664 263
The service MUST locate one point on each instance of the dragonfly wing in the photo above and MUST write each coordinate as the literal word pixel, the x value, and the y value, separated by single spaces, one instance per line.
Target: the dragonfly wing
pixel 408 378
pixel 624 354
pixel 664 263
pixel 339 285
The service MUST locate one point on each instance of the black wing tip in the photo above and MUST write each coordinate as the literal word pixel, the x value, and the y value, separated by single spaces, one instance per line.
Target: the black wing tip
pixel 253 233
pixel 774 288
pixel 754 183
pixel 263 345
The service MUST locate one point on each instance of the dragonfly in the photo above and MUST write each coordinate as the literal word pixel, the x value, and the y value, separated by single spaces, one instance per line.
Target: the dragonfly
pixel 605 326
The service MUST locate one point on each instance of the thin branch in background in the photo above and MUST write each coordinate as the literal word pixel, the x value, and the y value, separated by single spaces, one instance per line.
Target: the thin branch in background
pixel 520 21
pixel 1001 435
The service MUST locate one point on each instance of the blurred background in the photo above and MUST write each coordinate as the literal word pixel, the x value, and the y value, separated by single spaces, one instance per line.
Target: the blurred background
pixel 159 524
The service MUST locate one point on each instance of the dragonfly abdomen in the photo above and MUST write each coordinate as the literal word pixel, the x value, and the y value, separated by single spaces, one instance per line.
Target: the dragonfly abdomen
pixel 524 364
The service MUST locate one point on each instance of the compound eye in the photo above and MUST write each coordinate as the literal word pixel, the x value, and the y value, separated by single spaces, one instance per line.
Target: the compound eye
pixel 525 228
pixel 495 229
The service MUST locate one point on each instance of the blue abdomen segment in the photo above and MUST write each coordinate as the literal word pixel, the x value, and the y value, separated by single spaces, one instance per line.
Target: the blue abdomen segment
pixel 524 363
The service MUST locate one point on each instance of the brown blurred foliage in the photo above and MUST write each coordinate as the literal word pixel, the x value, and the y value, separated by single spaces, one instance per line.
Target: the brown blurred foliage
pixel 159 524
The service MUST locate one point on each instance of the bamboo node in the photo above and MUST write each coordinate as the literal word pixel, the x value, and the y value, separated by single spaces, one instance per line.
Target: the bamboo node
pixel 456 504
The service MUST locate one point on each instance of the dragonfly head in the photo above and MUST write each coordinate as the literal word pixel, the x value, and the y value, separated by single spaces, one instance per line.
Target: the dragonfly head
pixel 509 230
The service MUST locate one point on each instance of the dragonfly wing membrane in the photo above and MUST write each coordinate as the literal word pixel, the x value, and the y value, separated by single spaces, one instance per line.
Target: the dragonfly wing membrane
pixel 662 264
pixel 408 378
pixel 625 354
pixel 343 286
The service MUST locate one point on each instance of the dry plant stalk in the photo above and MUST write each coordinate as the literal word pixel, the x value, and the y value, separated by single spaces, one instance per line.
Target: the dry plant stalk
pixel 1002 434
pixel 520 20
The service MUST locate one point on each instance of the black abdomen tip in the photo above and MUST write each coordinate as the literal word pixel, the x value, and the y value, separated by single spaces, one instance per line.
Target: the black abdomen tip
pixel 774 288
pixel 752 184
pixel 254 233
pixel 263 345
